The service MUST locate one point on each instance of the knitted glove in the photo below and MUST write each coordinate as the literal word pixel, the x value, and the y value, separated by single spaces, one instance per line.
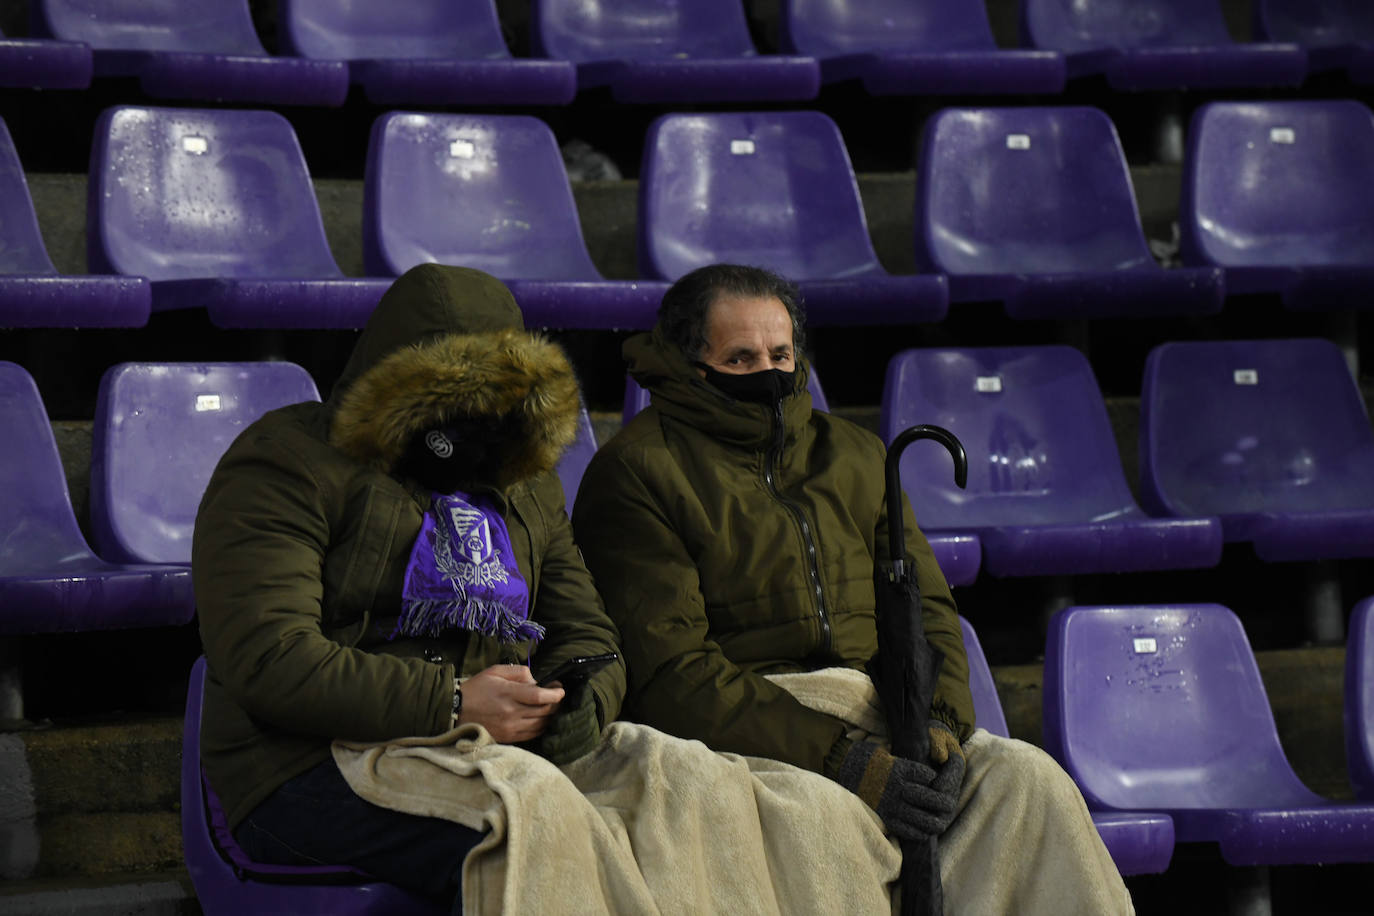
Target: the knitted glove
pixel 912 799
pixel 943 742
pixel 574 730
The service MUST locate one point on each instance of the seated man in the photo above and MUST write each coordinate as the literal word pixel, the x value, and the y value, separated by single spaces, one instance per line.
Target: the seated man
pixel 733 533
pixel 382 565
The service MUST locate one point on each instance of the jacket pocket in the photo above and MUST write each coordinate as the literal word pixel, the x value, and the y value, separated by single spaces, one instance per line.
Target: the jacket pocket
pixel 357 575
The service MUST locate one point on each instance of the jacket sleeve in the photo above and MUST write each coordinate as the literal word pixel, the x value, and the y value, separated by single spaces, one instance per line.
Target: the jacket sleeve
pixel 953 701
pixel 680 680
pixel 569 606
pixel 258 552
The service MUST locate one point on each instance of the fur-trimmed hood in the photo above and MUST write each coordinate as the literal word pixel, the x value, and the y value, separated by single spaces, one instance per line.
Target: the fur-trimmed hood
pixel 446 343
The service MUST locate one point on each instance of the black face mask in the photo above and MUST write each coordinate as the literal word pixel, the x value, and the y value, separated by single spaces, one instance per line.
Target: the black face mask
pixel 458 455
pixel 767 386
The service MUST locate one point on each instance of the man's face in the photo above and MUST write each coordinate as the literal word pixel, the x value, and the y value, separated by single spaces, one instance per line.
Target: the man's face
pixel 748 334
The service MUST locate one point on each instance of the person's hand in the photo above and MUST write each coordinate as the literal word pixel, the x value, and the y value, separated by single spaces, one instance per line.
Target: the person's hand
pixel 943 742
pixel 912 799
pixel 505 701
pixel 575 730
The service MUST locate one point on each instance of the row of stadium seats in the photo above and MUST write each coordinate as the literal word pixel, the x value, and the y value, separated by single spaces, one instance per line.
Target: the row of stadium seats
pixel 446 52
pixel 1264 442
pixel 1158 712
pixel 1032 206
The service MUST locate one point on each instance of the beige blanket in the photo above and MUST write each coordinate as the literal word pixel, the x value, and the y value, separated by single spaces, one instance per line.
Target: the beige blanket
pixel 647 823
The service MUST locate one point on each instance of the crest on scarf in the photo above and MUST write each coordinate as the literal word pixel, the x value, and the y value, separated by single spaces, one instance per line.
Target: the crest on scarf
pixel 471 533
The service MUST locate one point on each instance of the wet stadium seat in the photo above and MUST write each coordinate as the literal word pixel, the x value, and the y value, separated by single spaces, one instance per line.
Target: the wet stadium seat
pixel 776 190
pixel 1161 708
pixel 958 553
pixel 50 581
pixel 44 63
pixel 1046 491
pixel 201 50
pixel 216 207
pixel 1336 34
pixel 1157 44
pixel 1359 699
pixel 664 51
pixel 1034 206
pixel 424 52
pixel 901 47
pixel 158 432
pixel 32 292
pixel 1139 842
pixel 228 883
pixel 504 174
pixel 1281 196
pixel 1271 436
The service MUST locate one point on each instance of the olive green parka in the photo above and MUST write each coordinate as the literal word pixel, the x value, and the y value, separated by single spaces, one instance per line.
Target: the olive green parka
pixel 304 534
pixel 731 540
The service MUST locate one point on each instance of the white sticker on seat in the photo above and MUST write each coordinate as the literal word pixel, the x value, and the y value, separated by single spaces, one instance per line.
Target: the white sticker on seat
pixel 1018 141
pixel 742 147
pixel 1245 377
pixel 1282 135
pixel 988 384
pixel 207 402
pixel 198 146
pixel 462 149
pixel 1145 646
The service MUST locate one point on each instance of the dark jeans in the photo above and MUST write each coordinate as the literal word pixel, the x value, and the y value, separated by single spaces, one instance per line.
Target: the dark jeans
pixel 316 819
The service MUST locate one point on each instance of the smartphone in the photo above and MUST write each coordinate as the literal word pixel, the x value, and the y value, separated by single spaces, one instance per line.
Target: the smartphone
pixel 576 670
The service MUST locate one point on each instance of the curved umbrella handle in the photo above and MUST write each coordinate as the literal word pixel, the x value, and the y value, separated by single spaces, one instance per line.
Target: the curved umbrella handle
pixel 896 532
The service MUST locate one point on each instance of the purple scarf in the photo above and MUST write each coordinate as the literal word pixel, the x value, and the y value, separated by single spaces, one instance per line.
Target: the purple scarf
pixel 462 575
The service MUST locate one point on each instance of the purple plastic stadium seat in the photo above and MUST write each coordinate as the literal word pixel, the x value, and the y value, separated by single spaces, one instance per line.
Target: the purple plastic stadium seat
pixel 1034 206
pixel 574 462
pixel 217 209
pixel 32 293
pixel 1139 842
pixel 50 581
pixel 203 50
pixel 1359 699
pixel 959 554
pixel 505 175
pixel 1046 491
pixel 775 189
pixel 41 63
pixel 228 883
pixel 1161 708
pixel 158 432
pixel 1281 195
pixel 901 47
pixel 666 51
pixel 1157 44
pixel 424 52
pixel 1336 34
pixel 1272 436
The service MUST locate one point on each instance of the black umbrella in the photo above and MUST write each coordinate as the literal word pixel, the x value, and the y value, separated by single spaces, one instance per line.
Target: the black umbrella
pixel 905 666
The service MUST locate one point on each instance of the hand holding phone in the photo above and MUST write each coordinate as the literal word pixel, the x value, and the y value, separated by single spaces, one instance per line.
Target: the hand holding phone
pixel 576 671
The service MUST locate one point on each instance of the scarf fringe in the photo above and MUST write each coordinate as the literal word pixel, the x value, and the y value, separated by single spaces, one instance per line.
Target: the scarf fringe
pixel 483 615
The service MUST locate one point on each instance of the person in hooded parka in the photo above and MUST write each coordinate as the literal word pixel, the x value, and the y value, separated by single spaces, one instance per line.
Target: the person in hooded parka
pixel 390 563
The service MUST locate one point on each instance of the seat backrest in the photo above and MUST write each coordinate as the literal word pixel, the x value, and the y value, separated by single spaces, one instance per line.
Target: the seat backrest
pixel 588 30
pixel 1025 190
pixel 1163 707
pixel 574 462
pixel 773 189
pixel 182 193
pixel 987 706
pixel 1278 184
pixel 823 28
pixel 637 398
pixel 1243 426
pixel 489 192
pixel 36 512
pixel 1086 25
pixel 1359 699
pixel 205 26
pixel 21 243
pixel 158 432
pixel 382 30
pixel 1033 423
pixel 1313 23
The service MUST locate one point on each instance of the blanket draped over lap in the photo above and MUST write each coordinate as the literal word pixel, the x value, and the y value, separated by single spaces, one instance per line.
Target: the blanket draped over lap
pixel 647 823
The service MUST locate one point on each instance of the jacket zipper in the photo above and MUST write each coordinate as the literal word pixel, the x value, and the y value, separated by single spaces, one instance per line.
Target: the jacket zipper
pixel 774 458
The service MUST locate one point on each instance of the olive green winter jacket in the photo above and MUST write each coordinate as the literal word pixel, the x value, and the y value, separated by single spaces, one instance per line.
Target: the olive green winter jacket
pixel 303 538
pixel 730 541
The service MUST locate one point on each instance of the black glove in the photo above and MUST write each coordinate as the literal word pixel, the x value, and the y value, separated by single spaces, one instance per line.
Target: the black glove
pixel 573 731
pixel 912 799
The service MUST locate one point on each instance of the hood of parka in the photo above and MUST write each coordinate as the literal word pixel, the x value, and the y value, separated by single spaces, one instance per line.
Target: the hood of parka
pixel 446 343
pixel 680 392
